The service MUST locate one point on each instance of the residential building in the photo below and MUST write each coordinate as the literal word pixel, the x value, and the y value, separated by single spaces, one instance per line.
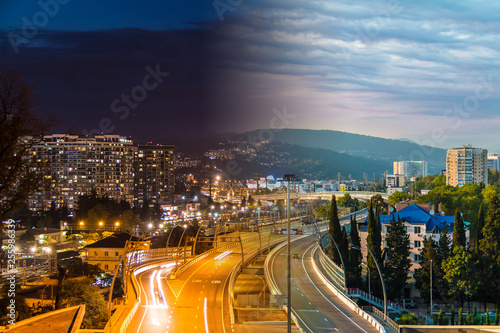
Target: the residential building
pixel 154 174
pixel 411 169
pixel 397 180
pixel 79 164
pixel 108 252
pixel 493 161
pixel 421 221
pixel 466 165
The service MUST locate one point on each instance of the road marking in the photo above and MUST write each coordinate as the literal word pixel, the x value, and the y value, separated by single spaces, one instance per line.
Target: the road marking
pixel 177 293
pixel 205 313
pixel 323 294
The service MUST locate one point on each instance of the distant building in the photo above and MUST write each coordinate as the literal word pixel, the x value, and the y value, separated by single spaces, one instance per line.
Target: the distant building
pixel 466 165
pixel 493 161
pixel 154 174
pixel 410 169
pixel 421 221
pixel 395 180
pixel 79 163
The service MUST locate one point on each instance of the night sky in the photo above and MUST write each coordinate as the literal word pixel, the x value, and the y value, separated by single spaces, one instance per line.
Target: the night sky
pixel 427 71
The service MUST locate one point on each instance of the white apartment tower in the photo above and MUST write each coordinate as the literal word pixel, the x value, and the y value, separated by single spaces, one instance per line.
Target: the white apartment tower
pixel 466 165
pixel 493 161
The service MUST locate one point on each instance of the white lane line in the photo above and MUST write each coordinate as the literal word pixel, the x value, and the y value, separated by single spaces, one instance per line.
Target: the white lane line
pixel 323 294
pixel 205 313
pixel 147 303
pixel 272 274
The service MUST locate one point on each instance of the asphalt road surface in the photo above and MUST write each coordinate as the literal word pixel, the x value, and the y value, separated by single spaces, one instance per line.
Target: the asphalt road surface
pixel 318 310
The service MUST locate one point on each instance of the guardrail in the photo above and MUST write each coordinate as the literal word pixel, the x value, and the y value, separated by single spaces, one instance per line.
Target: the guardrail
pixel 379 314
pixel 343 297
pixel 337 274
pixel 234 273
pixel 183 267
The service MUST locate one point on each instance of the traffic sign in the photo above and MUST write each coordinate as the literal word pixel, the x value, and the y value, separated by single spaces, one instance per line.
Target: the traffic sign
pixel 278 300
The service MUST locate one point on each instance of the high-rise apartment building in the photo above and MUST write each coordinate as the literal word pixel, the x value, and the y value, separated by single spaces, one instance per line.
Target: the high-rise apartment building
pixel 154 174
pixel 466 165
pixel 493 161
pixel 410 168
pixel 80 163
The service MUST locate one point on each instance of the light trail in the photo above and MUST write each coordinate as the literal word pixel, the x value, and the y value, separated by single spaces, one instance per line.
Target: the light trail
pixel 152 286
pixel 205 313
pixel 223 255
pixel 158 280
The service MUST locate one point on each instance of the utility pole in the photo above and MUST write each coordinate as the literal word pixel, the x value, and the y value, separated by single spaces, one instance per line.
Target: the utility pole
pixel 289 178
pixel 431 288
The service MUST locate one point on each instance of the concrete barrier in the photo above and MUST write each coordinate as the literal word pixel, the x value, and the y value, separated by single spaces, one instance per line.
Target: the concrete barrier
pixel 349 302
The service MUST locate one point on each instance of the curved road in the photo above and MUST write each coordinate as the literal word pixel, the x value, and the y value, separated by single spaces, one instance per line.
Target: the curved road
pixel 317 309
pixel 153 313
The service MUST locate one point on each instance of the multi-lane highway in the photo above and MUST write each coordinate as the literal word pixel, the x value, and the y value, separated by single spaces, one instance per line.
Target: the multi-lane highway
pixel 318 310
pixel 152 315
pixel 196 301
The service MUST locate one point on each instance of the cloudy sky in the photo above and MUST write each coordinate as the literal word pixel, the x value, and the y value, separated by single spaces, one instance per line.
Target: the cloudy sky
pixel 428 71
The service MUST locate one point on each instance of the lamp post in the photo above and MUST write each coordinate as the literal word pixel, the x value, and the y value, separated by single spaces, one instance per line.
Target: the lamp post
pixel 379 272
pixel 289 178
pixel 369 282
pixel 431 288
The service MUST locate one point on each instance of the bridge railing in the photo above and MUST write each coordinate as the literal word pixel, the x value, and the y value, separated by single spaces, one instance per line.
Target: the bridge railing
pixel 334 273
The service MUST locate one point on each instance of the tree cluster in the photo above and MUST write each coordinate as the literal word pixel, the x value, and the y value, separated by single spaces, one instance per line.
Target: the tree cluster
pixel 462 272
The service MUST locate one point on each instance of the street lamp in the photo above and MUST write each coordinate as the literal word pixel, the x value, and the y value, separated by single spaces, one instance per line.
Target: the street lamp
pixel 431 288
pixel 289 178
pixel 379 272
pixel 369 282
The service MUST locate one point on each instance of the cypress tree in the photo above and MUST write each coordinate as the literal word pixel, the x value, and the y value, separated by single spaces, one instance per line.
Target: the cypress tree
pixel 460 317
pixel 398 260
pixel 355 257
pixel 479 229
pixel 490 244
pixel 145 213
pixel 344 248
pixel 334 231
pixel 458 230
pixel 374 242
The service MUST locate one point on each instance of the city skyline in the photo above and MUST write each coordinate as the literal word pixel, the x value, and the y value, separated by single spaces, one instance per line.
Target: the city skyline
pixel 426 72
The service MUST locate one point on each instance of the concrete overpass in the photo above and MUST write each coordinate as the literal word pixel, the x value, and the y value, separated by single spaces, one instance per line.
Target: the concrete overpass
pixel 362 195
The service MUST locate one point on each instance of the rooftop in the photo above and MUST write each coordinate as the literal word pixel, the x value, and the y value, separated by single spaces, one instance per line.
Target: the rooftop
pixel 113 241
